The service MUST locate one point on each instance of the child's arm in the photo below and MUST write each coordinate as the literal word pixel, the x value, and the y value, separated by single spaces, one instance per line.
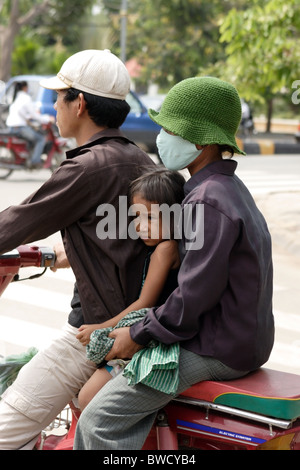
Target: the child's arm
pixel 164 258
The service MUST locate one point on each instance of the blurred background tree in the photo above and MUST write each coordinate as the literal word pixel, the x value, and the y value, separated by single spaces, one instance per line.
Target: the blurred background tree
pixel 252 43
pixel 262 51
pixel 172 39
pixel 34 33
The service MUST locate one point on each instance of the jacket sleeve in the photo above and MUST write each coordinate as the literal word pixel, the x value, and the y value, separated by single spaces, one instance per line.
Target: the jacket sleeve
pixel 56 204
pixel 202 278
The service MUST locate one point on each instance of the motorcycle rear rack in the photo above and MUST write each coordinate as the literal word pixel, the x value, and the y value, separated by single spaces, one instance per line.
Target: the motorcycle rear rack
pixel 279 423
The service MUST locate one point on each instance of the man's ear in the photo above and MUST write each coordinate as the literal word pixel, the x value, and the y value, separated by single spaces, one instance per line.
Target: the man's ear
pixel 81 105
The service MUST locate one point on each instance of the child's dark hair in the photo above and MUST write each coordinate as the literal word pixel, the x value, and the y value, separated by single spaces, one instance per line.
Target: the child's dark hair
pixel 103 111
pixel 159 185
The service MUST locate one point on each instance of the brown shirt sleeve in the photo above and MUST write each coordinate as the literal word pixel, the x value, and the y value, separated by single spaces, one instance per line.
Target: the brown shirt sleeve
pixel 48 210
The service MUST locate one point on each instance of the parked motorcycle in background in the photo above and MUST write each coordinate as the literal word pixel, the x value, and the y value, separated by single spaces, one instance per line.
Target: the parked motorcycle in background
pixel 15 150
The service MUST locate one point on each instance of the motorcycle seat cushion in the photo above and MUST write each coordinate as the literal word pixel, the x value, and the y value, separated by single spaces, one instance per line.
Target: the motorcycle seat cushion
pixel 265 391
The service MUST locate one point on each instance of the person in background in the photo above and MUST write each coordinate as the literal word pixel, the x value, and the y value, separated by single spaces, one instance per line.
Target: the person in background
pixel 221 311
pixel 20 118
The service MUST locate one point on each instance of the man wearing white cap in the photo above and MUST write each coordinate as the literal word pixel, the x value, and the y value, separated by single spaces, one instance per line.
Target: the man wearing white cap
pixel 92 86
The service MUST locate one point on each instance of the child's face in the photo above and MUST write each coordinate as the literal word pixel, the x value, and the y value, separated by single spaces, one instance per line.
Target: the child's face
pixel 148 223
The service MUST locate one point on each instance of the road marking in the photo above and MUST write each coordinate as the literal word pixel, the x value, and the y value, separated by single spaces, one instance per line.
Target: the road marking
pixel 267 147
pixel 260 183
pixel 289 321
pixel 25 334
pixel 285 357
pixel 46 311
pixel 37 297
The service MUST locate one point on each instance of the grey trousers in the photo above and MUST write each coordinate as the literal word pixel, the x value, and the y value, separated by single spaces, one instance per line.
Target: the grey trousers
pixel 120 416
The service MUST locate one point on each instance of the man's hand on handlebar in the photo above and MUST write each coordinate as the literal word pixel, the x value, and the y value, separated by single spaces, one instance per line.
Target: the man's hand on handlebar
pixel 61 260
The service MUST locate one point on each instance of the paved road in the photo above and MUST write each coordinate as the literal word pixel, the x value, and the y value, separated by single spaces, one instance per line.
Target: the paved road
pixel 32 312
pixel 275 183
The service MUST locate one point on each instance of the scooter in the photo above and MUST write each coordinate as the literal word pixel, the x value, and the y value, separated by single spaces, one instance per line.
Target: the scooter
pixel 258 412
pixel 15 150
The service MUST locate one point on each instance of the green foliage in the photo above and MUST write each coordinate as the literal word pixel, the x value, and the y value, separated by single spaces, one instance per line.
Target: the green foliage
pixel 31 55
pixel 173 39
pixel 254 44
pixel 39 35
pixel 25 56
pixel 64 19
pixel 263 47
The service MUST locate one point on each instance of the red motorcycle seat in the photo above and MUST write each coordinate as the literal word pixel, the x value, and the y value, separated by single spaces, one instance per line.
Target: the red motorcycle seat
pixel 265 391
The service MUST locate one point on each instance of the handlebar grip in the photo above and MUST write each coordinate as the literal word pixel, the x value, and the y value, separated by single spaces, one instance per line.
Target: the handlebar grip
pixel 21 257
pixel 48 257
pixel 39 256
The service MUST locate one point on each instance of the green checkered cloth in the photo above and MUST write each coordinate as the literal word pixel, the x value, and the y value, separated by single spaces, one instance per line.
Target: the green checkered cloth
pixel 155 366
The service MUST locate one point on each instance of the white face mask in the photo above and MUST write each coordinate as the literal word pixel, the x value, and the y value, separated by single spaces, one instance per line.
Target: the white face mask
pixel 175 152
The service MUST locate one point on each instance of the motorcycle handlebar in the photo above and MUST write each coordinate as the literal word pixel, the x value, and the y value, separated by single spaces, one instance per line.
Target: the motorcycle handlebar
pixel 25 256
pixel 21 257
pixel 39 256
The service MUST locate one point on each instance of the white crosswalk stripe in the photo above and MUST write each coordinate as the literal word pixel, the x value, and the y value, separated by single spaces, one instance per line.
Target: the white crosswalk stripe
pixel 32 313
pixel 285 355
pixel 24 333
pixel 260 183
pixel 37 297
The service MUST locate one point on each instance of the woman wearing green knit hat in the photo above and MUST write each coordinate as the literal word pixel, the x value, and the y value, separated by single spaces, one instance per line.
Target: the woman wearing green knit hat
pixel 200 111
pixel 221 311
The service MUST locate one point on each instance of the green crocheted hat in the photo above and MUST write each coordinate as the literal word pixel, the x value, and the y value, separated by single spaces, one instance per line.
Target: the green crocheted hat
pixel 202 110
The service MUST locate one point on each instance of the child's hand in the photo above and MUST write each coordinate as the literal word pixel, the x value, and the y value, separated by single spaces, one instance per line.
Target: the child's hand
pixel 85 332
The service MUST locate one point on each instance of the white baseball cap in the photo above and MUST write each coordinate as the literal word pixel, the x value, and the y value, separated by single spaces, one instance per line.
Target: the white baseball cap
pixel 97 72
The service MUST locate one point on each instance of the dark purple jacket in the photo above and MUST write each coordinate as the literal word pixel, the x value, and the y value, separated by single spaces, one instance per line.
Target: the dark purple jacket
pixel 223 304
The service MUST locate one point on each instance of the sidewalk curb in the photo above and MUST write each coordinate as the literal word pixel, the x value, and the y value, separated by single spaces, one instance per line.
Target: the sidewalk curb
pixel 268 147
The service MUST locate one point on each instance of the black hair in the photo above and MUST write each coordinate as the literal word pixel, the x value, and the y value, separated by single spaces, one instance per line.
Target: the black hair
pixel 159 185
pixel 226 149
pixel 103 111
pixel 18 87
